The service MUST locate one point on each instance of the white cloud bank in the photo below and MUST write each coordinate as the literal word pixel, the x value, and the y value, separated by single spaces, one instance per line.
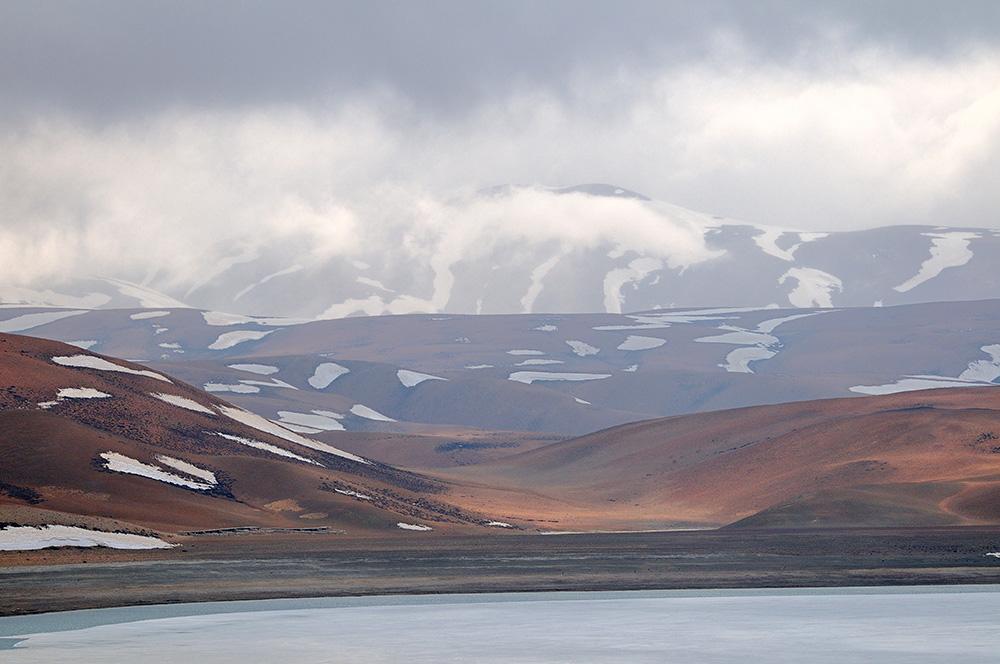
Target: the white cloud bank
pixel 862 139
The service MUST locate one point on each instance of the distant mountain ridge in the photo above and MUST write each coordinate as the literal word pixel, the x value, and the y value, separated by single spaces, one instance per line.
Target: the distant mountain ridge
pixel 587 248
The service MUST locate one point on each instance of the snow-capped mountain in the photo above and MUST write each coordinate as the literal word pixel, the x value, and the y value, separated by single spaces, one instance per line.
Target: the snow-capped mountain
pixel 590 248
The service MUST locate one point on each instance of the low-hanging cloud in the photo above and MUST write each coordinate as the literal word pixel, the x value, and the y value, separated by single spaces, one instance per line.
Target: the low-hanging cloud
pixel 866 139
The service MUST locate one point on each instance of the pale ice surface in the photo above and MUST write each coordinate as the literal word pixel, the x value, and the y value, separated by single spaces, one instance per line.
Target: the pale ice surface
pixel 26 538
pixel 144 315
pixel 260 369
pixel 267 426
pixel 947 250
pixel 525 351
pixel 326 373
pixel 546 328
pixel 267 447
pixel 740 337
pixel 81 393
pixel 237 388
pixel 413 378
pixel 120 463
pixel 370 413
pixel 582 348
pixel 535 362
pixel 230 339
pixel 29 321
pixel 947 625
pixel 579 400
pixel 182 402
pixel 91 362
pixel 815 288
pixel 479 366
pixel 413 526
pixel 632 368
pixel 634 342
pixel 529 377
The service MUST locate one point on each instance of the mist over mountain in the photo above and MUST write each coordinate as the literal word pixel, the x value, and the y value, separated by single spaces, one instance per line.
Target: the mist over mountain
pixel 524 249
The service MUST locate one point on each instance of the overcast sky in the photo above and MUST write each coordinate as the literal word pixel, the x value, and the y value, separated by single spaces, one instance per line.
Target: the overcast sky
pixel 206 115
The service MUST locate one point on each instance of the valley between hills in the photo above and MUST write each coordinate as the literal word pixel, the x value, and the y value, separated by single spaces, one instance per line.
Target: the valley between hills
pixel 414 454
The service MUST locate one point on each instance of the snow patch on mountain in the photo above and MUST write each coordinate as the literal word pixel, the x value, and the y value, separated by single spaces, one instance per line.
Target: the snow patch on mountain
pixel 815 287
pixel 413 378
pixel 325 374
pixel 634 342
pixel 230 339
pixel 260 369
pixel 535 289
pixel 30 321
pixel 582 348
pixel 947 250
pixel 92 362
pixel 370 413
pixel 529 377
pixel 616 279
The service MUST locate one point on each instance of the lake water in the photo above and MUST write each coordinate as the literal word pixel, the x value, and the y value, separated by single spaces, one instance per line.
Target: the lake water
pixel 912 625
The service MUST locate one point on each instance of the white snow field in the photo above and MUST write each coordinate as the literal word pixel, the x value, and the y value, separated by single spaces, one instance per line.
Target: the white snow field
pixel 145 315
pixel 267 426
pixel 635 342
pixel 182 402
pixel 230 339
pixel 947 250
pixel 370 413
pixel 91 362
pixel 81 393
pixel 980 373
pixel 528 377
pixel 413 378
pixel 950 624
pixel 120 463
pixel 29 538
pixel 326 373
pixel 260 369
pixel 267 447
pixel 313 422
pixel 29 321
pixel 413 526
pixel 582 348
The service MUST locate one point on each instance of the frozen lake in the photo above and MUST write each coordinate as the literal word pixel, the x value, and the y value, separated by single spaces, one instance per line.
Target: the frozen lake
pixel 912 625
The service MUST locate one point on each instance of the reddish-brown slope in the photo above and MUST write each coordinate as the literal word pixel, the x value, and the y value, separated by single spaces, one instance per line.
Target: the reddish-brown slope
pixel 924 457
pixel 52 456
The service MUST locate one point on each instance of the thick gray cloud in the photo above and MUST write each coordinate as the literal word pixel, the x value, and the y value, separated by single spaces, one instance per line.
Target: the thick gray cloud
pixel 145 136
pixel 113 57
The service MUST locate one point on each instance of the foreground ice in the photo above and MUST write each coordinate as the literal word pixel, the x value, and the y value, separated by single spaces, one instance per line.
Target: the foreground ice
pixel 819 626
pixel 25 538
